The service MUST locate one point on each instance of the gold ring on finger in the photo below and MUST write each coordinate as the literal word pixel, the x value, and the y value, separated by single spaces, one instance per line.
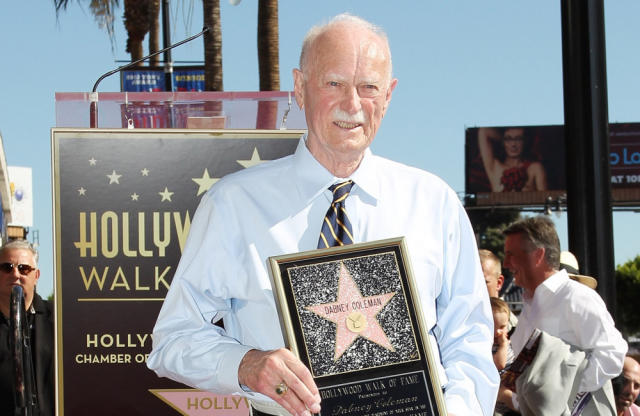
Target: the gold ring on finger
pixel 281 388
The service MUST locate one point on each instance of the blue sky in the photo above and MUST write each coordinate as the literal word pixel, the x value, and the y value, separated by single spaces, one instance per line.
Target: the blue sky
pixel 460 63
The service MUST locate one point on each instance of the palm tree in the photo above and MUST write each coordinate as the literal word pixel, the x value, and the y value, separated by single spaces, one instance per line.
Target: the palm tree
pixel 268 61
pixel 136 21
pixel 212 46
pixel 140 18
pixel 154 29
pixel 102 11
pixel 268 45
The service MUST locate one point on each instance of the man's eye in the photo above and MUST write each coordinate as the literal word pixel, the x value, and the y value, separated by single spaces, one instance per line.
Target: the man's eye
pixel 368 90
pixel 333 83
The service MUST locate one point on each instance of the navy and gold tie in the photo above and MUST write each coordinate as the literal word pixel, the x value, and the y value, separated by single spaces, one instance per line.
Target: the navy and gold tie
pixel 336 228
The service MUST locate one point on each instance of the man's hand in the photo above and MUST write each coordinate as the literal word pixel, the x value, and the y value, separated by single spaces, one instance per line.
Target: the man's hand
pixel 263 371
pixel 500 356
pixel 505 396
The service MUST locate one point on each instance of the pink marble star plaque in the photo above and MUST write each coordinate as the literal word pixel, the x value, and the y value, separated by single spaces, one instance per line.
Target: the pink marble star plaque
pixel 354 314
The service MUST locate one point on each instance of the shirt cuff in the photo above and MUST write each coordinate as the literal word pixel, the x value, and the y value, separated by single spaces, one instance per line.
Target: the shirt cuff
pixel 228 375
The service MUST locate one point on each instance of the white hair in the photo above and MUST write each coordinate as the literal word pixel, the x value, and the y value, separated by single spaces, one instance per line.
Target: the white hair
pixel 342 18
pixel 20 245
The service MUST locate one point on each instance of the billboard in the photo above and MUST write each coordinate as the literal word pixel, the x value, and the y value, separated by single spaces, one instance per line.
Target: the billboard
pixel 123 204
pixel 624 156
pixel 525 165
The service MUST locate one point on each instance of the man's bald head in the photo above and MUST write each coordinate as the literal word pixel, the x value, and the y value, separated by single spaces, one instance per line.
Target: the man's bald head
pixel 342 20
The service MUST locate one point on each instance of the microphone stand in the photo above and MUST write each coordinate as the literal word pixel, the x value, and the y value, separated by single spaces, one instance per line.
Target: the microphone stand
pixel 25 394
pixel 93 96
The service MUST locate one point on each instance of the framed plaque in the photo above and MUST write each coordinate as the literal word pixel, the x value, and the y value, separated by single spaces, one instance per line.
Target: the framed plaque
pixel 352 315
pixel 123 204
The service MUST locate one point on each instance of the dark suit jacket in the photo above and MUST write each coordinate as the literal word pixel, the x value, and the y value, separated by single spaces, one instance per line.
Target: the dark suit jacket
pixel 43 360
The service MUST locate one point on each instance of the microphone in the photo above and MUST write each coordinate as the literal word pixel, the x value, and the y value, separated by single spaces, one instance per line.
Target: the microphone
pixel 93 96
pixel 25 400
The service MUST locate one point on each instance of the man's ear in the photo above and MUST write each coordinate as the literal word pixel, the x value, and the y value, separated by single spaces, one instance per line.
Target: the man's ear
pixel 298 87
pixel 538 254
pixel 500 282
pixel 387 99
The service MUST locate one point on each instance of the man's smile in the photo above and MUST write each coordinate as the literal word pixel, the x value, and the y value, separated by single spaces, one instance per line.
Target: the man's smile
pixel 346 125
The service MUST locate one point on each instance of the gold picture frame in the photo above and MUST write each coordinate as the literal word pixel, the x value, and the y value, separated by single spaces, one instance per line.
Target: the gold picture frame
pixel 352 315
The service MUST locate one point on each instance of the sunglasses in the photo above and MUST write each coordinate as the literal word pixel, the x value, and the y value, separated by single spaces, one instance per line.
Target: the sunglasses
pixel 24 269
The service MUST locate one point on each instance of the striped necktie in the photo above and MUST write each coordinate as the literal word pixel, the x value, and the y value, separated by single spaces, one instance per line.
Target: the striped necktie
pixel 336 228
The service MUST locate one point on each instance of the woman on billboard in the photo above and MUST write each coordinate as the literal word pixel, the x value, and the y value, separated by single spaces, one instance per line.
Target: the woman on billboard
pixel 506 160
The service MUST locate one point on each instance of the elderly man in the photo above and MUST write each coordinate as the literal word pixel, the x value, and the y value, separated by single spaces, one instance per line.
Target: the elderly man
pixel 19 266
pixel 563 308
pixel 344 84
pixel 628 388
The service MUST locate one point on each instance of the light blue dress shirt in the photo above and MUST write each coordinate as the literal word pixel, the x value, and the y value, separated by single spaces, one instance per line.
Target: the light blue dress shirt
pixel 277 208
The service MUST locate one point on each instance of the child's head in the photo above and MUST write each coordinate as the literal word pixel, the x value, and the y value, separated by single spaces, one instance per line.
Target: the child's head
pixel 501 314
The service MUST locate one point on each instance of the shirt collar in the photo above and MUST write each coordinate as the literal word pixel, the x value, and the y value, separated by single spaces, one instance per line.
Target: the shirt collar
pixel 315 178
pixel 551 284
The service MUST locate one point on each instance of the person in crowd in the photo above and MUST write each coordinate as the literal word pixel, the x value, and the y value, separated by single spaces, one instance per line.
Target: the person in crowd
pixel 502 351
pixel 569 262
pixel 19 266
pixel 512 168
pixel 493 277
pixel 563 308
pixel 344 85
pixel 627 388
pixel 492 271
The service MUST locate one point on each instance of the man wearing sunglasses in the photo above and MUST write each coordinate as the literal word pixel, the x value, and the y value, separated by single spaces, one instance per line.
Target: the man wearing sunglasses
pixel 19 266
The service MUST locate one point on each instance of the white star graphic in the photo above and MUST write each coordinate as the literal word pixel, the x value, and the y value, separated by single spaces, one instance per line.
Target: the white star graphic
pixel 114 178
pixel 82 191
pixel 166 195
pixel 145 172
pixel 205 182
pixel 255 159
pixel 92 161
pixel 134 196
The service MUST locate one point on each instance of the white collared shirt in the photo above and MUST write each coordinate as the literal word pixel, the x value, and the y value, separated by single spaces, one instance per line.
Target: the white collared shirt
pixel 576 314
pixel 277 208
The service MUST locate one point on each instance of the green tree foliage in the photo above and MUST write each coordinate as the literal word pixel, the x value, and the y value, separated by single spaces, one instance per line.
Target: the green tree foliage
pixel 488 225
pixel 628 293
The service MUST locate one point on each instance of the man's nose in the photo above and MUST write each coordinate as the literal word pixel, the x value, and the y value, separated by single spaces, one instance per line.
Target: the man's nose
pixel 16 273
pixel 351 102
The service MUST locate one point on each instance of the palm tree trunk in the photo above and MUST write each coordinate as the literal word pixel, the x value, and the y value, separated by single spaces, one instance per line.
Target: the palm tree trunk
pixel 154 30
pixel 212 46
pixel 268 45
pixel 136 22
pixel 268 61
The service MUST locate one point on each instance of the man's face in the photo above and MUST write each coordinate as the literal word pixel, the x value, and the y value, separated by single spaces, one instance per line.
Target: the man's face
pixel 344 91
pixel 520 259
pixel 631 386
pixel 513 142
pixel 14 277
pixel 492 278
